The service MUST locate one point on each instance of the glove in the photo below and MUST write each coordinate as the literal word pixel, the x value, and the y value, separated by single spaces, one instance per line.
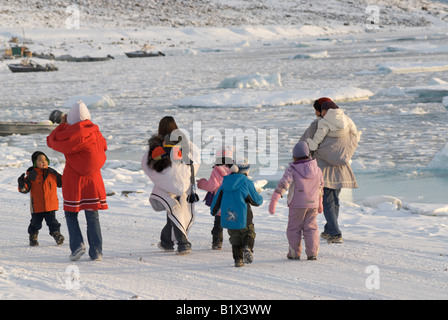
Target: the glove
pixel 21 181
pixel 273 203
pixel 24 184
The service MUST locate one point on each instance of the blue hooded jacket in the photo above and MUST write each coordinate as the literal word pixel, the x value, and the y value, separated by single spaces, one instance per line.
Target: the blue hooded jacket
pixel 234 198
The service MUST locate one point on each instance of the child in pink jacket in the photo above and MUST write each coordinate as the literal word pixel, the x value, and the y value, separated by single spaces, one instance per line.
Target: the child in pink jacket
pixel 303 180
pixel 221 169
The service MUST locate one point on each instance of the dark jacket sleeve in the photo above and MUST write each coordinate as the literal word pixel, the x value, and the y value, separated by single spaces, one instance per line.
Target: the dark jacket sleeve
pixel 58 176
pixel 216 204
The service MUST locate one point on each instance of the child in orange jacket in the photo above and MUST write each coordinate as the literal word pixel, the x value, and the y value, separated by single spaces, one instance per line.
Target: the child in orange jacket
pixel 42 182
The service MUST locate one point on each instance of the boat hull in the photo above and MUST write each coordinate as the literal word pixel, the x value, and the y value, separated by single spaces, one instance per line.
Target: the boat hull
pixel 25 128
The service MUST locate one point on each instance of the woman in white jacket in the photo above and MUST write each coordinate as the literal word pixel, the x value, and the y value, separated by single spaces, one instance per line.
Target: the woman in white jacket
pixel 334 123
pixel 333 157
pixel 170 163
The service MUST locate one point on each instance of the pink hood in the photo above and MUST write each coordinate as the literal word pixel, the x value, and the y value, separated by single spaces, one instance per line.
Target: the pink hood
pixel 216 178
pixel 303 181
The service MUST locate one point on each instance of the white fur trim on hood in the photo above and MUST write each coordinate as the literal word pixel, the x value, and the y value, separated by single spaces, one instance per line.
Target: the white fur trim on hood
pixel 78 112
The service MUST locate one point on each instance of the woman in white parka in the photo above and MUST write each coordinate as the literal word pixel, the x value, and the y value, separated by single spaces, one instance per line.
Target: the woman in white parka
pixel 170 163
pixel 333 158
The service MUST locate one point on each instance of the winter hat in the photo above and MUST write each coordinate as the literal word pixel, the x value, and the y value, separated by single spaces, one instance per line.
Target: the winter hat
pixel 241 166
pixel 301 150
pixel 318 103
pixel 37 154
pixel 329 105
pixel 56 116
pixel 159 153
pixel 78 112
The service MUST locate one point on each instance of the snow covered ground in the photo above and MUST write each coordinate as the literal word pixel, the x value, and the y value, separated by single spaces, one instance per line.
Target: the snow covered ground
pixel 251 71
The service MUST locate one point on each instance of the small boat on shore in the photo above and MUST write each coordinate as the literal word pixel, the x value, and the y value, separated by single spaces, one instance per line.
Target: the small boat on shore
pixel 9 128
pixel 31 66
pixel 70 58
pixel 32 127
pixel 144 54
pixel 46 56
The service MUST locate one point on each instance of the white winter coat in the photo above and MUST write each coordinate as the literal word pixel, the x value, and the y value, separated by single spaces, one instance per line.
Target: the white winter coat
pixel 171 188
pixel 333 158
pixel 334 124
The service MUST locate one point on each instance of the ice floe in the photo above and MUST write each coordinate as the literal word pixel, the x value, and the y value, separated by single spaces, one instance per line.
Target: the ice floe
pixel 92 101
pixel 431 93
pixel 411 67
pixel 234 98
pixel 252 81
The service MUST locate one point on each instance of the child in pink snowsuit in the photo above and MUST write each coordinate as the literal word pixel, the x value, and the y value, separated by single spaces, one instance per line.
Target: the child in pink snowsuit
pixel 221 168
pixel 303 180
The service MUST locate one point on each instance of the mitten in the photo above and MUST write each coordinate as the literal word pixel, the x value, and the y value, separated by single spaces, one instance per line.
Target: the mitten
pixel 312 145
pixel 273 203
pixel 23 184
pixel 201 183
pixel 21 181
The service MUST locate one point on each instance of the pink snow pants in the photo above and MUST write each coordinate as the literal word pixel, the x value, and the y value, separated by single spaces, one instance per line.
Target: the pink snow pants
pixel 303 221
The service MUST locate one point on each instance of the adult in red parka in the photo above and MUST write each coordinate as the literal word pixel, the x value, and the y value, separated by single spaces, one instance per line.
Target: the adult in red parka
pixel 84 149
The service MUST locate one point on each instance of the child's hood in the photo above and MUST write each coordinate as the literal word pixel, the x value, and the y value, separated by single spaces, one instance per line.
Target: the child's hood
pixel 78 112
pixel 36 154
pixel 337 118
pixel 307 169
pixel 233 182
pixel 221 170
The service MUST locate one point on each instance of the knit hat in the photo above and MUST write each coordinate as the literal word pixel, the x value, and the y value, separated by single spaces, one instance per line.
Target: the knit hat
pixel 318 103
pixel 301 150
pixel 159 153
pixel 78 112
pixel 241 166
pixel 329 105
pixel 56 116
pixel 166 149
pixel 36 154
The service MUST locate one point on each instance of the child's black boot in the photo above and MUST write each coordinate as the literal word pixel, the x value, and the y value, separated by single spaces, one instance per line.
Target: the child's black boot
pixel 237 252
pixel 33 239
pixel 248 249
pixel 216 242
pixel 58 237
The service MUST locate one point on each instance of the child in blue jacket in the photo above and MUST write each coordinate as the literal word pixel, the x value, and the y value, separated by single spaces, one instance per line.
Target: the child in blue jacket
pixel 235 197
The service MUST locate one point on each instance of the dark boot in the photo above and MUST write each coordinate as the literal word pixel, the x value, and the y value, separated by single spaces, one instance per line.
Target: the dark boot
pixel 33 239
pixel 217 234
pixel 248 249
pixel 237 252
pixel 216 243
pixel 58 237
